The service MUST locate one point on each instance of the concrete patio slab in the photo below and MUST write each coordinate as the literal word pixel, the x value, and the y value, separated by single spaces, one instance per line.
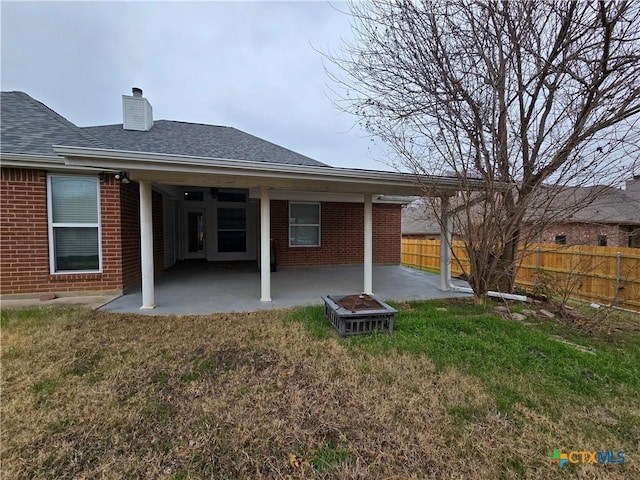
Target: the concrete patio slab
pixel 200 288
pixel 92 301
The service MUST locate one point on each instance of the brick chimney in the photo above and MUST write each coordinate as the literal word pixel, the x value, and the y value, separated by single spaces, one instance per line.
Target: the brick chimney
pixel 137 113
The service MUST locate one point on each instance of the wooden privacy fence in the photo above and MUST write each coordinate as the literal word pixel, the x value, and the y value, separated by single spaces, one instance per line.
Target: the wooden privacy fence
pixel 606 275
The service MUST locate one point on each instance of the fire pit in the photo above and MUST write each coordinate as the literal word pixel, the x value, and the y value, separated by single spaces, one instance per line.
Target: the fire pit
pixel 358 314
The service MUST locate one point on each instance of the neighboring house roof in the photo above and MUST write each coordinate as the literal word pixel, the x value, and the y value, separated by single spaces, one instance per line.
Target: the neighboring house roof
pixel 418 218
pixel 198 140
pixel 596 204
pixel 31 128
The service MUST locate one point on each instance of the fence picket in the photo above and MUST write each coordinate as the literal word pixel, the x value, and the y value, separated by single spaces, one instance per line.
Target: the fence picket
pixel 609 275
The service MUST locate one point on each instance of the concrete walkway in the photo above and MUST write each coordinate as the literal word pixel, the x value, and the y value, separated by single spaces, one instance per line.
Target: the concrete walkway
pixel 69 300
pixel 200 288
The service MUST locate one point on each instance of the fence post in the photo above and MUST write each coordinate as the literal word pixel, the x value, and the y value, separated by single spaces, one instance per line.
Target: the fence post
pixel 616 298
pixel 536 274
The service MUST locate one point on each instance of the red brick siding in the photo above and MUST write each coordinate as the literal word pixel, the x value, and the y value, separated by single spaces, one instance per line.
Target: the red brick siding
pixel 130 245
pixel 342 235
pixel 24 244
pixel 130 218
pixel 158 233
pixel 387 233
pixel 586 234
pixel 24 237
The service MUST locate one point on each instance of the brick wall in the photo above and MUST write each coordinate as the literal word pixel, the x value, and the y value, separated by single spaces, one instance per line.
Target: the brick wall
pixel 130 246
pixel 586 234
pixel 130 220
pixel 342 235
pixel 157 213
pixel 24 238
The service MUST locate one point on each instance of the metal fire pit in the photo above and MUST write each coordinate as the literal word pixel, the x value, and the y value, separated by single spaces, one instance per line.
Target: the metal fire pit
pixel 358 314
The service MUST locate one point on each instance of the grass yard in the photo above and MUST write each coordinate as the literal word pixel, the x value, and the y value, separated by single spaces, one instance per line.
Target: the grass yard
pixel 455 392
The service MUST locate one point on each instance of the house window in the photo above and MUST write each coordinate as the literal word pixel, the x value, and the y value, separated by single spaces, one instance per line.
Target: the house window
pixel 304 224
pixel 602 240
pixel 235 197
pixel 74 224
pixel 561 239
pixel 634 237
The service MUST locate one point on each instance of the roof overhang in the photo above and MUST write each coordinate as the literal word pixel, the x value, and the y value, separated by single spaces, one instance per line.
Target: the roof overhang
pixel 208 172
pixel 45 162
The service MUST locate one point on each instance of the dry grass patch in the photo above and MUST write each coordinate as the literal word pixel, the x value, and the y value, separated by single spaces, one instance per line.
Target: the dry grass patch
pixel 264 395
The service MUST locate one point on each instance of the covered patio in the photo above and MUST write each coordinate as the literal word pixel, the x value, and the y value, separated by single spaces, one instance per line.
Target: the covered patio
pixel 200 288
pixel 267 182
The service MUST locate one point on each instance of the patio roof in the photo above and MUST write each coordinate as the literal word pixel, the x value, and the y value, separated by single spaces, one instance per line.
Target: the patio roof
pixel 223 172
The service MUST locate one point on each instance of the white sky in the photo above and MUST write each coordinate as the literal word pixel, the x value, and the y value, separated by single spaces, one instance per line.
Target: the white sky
pixel 254 66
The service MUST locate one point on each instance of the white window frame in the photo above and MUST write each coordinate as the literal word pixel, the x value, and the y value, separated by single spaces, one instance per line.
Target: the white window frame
pixel 52 225
pixel 306 224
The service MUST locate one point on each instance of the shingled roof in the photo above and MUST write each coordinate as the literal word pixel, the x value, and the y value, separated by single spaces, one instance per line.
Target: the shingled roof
pixel 198 140
pixel 31 128
pixel 599 204
pixel 418 218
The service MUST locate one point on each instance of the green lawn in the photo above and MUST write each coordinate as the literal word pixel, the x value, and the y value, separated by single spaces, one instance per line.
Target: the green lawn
pixel 454 392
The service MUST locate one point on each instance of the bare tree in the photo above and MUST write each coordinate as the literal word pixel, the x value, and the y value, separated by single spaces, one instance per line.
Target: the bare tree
pixel 536 95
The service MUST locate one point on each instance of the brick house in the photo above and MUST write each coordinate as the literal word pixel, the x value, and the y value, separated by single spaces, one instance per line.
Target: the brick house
pixel 597 215
pixel 108 207
pixel 609 217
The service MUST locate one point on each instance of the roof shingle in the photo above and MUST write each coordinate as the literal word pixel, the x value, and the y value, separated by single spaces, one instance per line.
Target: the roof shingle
pixel 31 128
pixel 198 140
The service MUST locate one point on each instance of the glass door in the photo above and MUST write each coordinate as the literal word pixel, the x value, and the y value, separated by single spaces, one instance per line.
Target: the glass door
pixel 232 229
pixel 195 234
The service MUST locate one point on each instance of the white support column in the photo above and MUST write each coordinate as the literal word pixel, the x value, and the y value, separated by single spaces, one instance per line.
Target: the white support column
pixel 446 238
pixel 368 244
pixel 146 245
pixel 265 245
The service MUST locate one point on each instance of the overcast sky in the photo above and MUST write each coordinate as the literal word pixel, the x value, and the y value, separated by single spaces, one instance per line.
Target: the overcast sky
pixel 254 66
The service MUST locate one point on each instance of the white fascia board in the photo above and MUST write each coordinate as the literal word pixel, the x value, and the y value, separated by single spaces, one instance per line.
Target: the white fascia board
pixel 49 163
pixel 301 196
pixel 140 161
